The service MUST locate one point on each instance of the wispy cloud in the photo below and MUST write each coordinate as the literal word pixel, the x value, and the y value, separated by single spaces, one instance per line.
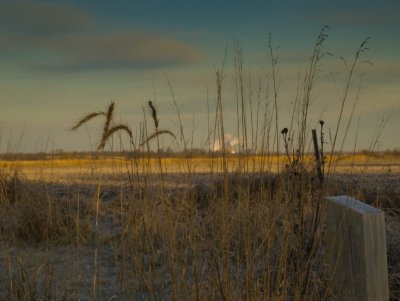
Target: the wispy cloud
pixel 42 19
pixel 120 50
pixel 363 17
pixel 72 40
pixel 365 13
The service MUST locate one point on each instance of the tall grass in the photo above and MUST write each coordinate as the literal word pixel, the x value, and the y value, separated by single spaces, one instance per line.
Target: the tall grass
pixel 248 233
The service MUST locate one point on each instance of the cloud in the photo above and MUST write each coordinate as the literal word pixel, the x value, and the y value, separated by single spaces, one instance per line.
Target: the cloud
pixel 120 50
pixel 363 13
pixel 64 38
pixel 362 18
pixel 24 17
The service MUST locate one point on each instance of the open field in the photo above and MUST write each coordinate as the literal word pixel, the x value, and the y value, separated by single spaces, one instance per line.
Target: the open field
pixel 143 226
pixel 70 169
pixel 117 229
pixel 233 222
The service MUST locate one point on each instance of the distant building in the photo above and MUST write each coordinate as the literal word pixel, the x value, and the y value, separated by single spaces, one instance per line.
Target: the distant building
pixel 231 144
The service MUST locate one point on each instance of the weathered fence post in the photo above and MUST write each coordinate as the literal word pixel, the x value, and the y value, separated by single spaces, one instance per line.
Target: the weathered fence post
pixel 357 250
pixel 318 158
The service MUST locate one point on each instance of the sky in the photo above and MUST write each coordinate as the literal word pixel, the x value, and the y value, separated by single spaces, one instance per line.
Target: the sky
pixel 62 59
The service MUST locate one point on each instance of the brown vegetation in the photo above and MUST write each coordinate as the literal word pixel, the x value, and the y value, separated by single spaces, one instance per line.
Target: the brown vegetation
pixel 241 228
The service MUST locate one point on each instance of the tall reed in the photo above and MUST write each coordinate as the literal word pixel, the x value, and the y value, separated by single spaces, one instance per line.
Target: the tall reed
pixel 247 230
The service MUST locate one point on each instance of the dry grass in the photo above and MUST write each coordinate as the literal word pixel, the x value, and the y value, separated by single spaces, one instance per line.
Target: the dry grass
pixel 187 240
pixel 219 227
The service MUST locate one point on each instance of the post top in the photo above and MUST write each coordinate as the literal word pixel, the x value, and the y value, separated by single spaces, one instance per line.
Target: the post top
pixel 353 204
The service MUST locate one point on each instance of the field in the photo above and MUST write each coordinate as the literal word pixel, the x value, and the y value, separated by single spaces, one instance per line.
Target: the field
pixel 202 228
pixel 234 222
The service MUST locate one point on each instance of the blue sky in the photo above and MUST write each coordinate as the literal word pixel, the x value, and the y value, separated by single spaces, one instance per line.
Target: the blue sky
pixel 61 59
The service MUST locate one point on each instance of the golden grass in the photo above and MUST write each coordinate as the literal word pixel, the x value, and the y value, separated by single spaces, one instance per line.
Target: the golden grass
pixel 236 246
pixel 343 163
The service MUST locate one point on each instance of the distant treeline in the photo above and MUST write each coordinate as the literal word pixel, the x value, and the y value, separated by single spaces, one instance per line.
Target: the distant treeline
pixel 64 155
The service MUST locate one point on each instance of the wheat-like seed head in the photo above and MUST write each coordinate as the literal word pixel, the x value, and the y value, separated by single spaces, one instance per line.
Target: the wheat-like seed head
pixel 86 118
pixel 109 117
pixel 153 114
pixel 156 134
pixel 110 132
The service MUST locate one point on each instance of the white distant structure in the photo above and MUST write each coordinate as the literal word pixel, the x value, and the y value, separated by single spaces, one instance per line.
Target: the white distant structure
pixel 231 144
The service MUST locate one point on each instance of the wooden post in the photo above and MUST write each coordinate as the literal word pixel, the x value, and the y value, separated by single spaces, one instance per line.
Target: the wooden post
pixel 356 244
pixel 317 156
